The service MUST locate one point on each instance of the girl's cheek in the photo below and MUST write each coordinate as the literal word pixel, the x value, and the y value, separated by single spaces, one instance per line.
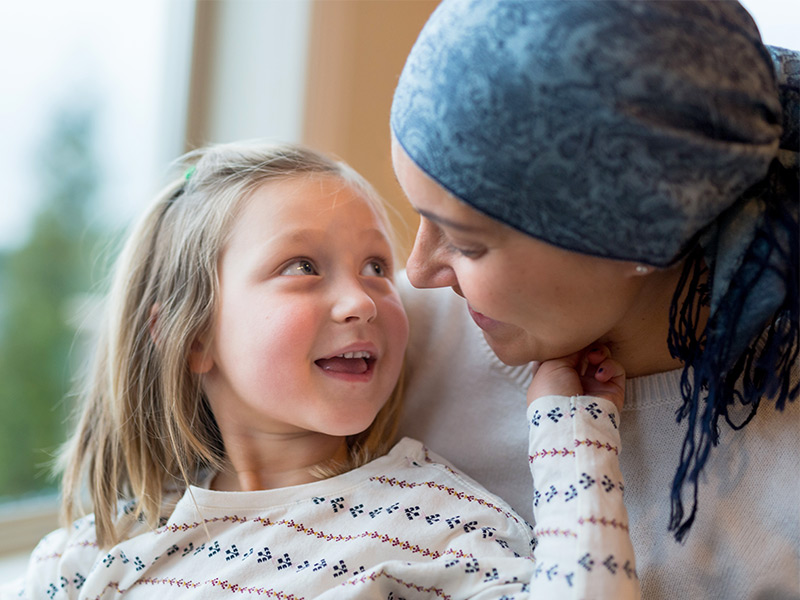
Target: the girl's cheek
pixel 286 325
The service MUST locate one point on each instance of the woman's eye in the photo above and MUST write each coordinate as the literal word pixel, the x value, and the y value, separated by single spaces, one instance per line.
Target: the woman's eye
pixel 466 252
pixel 375 268
pixel 300 267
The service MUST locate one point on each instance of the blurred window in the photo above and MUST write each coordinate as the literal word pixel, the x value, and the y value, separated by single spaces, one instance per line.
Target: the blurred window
pixel 93 107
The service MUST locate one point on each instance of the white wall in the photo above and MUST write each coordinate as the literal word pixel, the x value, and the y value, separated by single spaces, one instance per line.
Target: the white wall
pixel 258 75
pixel 778 21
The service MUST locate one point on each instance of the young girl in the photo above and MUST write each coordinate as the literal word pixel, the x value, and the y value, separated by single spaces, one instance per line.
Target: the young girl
pixel 234 437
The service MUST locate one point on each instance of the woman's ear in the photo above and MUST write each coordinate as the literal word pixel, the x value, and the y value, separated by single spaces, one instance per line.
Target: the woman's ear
pixel 200 360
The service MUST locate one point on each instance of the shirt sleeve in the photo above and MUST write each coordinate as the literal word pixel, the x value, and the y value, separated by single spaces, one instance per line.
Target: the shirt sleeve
pixel 12 589
pixel 584 543
pixel 59 564
pixel 583 546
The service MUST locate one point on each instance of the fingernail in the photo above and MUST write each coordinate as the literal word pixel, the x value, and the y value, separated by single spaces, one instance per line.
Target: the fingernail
pixel 600 370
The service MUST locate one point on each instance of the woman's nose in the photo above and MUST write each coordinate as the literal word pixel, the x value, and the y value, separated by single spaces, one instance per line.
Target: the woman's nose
pixel 428 265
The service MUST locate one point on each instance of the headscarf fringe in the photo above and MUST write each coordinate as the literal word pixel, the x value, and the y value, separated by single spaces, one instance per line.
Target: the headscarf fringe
pixel 714 380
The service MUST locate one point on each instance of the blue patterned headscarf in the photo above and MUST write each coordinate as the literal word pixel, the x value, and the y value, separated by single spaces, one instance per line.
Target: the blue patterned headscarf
pixel 643 131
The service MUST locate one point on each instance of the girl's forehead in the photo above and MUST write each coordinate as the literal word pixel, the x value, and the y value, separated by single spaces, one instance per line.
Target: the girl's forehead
pixel 304 188
pixel 320 202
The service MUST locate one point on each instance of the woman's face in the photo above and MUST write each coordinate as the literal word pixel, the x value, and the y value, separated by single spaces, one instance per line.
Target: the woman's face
pixel 532 300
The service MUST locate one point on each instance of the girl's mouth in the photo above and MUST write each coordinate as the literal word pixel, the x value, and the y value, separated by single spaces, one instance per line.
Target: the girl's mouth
pixel 359 364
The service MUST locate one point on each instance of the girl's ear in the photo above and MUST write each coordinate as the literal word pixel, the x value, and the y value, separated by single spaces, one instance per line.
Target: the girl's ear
pixel 151 325
pixel 200 360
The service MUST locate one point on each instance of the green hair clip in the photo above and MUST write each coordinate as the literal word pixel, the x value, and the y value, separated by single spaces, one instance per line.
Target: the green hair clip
pixel 186 177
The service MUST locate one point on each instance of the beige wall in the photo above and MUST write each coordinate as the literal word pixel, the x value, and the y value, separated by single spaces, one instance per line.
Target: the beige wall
pixel 357 49
pixel 320 72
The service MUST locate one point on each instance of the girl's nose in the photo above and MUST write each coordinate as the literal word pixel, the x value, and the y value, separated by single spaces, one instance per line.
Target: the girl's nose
pixel 352 303
pixel 428 265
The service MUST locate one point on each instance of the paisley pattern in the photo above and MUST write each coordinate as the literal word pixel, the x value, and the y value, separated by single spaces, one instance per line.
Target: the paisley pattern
pixel 618 129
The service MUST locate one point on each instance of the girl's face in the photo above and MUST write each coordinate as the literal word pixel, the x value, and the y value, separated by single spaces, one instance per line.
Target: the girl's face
pixel 532 300
pixel 310 333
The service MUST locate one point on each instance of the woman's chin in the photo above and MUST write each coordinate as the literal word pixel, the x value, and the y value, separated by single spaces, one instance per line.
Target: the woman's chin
pixel 511 352
pixel 521 349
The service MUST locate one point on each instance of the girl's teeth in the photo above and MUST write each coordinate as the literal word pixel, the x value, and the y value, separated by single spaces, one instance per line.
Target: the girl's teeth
pixel 355 355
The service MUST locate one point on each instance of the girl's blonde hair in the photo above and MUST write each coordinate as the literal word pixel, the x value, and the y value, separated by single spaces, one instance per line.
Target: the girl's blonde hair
pixel 145 425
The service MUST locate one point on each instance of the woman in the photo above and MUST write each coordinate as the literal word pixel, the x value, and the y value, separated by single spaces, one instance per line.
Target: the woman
pixel 624 173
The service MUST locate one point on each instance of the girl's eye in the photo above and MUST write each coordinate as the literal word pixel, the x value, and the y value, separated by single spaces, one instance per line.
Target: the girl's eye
pixel 375 268
pixel 300 267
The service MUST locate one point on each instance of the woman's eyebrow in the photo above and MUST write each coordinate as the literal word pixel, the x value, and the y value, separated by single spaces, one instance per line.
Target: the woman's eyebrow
pixel 448 223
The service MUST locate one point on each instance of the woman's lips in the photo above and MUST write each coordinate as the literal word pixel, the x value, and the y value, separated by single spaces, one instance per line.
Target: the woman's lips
pixel 482 321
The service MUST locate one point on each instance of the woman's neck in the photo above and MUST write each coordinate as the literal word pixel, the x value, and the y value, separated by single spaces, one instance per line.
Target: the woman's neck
pixel 268 461
pixel 640 341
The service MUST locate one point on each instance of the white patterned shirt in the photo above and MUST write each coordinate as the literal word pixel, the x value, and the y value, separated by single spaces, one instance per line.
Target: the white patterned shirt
pixel 406 525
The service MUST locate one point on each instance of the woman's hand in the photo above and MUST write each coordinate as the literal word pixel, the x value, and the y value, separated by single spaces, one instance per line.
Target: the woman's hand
pixel 590 372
